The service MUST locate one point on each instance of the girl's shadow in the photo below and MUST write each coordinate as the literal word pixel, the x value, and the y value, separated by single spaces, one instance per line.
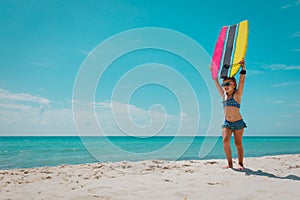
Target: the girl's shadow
pixel 249 172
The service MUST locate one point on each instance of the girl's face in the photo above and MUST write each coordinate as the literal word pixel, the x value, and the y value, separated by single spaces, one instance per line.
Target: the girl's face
pixel 228 86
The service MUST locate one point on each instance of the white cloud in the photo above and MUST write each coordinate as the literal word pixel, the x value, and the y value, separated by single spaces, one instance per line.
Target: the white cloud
pixel 292 4
pixel 14 106
pixel 285 84
pixel 21 112
pixel 275 101
pixel 40 62
pixel 296 34
pixel 276 67
pixel 27 114
pixel 286 6
pixel 22 97
pixel 291 106
pixel 278 102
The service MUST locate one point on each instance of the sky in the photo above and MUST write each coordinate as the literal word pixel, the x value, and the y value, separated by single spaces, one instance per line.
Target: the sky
pixel 44 46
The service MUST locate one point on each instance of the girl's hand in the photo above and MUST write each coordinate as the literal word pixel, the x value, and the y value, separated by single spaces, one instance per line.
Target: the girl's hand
pixel 210 68
pixel 242 62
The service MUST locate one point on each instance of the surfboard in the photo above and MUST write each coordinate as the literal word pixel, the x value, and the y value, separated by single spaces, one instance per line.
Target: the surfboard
pixel 229 50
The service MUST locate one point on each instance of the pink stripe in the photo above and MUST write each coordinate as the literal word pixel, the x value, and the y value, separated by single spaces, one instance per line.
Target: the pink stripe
pixel 218 52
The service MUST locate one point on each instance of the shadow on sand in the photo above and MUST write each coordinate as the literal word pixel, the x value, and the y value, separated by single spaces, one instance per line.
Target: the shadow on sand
pixel 249 172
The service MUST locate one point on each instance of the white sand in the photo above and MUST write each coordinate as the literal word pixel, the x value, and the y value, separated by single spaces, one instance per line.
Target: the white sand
pixel 270 177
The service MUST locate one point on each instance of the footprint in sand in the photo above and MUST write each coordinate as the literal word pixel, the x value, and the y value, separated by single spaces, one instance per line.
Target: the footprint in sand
pixel 158 162
pixel 97 177
pixel 294 167
pixel 98 166
pixel 211 183
pixel 211 162
pixel 190 171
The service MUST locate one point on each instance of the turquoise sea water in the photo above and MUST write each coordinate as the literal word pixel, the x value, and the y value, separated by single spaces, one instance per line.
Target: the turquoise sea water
pixel 23 152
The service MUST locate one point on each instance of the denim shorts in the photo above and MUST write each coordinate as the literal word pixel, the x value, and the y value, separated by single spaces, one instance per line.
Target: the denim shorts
pixel 237 125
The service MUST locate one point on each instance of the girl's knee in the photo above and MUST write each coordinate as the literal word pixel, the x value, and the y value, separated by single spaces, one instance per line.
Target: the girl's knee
pixel 238 144
pixel 226 140
pixel 226 135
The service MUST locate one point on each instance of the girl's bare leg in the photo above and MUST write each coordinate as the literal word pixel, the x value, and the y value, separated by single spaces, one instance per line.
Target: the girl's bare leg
pixel 238 134
pixel 226 142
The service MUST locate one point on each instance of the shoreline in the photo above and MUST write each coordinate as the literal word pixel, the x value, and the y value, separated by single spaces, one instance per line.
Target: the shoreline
pixel 130 161
pixel 264 177
pixel 31 152
pixel 161 160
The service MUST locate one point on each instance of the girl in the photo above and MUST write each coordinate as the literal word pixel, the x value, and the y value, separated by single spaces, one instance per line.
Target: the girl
pixel 234 123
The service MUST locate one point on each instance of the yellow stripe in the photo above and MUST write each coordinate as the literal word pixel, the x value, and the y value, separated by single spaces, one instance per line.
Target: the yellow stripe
pixel 241 47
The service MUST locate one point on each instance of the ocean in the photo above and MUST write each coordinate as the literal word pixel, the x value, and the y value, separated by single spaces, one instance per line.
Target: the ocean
pixel 35 151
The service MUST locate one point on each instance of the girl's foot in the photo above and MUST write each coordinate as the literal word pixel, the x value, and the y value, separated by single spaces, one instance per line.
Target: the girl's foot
pixel 230 165
pixel 227 167
pixel 241 166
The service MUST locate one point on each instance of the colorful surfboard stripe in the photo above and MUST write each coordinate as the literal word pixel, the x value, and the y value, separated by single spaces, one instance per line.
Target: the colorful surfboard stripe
pixel 218 56
pixel 240 47
pixel 230 49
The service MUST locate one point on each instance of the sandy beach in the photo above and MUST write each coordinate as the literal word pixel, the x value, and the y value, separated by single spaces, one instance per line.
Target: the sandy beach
pixel 269 177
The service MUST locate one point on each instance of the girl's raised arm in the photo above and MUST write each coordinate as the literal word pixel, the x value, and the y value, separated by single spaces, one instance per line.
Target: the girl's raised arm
pixel 242 79
pixel 218 86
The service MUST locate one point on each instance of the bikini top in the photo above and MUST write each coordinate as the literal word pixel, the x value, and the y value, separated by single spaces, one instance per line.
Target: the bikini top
pixel 231 102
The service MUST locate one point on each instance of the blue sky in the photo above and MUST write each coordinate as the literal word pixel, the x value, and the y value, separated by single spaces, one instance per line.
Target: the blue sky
pixel 43 45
